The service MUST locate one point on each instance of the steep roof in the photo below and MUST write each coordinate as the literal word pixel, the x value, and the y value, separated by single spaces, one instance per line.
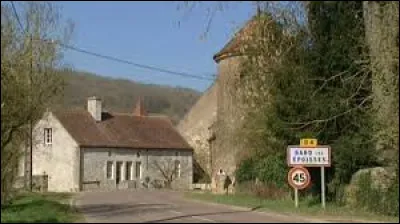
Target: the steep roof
pixel 235 47
pixel 121 130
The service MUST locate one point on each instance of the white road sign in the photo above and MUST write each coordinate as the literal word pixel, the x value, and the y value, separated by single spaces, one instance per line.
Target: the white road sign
pixel 309 156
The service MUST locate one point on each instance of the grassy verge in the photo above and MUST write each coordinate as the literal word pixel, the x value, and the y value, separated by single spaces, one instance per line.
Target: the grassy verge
pixel 40 207
pixel 306 207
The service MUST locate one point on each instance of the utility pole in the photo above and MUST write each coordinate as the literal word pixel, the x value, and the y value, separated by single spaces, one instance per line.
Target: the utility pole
pixel 30 121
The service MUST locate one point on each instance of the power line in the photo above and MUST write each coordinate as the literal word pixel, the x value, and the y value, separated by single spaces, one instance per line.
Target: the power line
pixel 134 64
pixel 183 74
pixel 16 15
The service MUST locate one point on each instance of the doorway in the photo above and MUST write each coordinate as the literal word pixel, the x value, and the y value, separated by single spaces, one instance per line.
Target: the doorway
pixel 118 172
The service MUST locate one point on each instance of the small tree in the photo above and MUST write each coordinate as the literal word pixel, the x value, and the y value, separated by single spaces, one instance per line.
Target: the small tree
pixel 170 169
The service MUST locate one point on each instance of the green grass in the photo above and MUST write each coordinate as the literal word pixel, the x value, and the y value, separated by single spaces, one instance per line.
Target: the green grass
pixel 40 207
pixel 307 207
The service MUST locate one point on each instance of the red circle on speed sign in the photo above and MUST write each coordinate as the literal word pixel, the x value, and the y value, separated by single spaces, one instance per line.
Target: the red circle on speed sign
pixel 299 178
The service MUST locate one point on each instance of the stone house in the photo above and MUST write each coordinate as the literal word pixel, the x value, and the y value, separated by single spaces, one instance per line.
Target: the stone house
pixel 96 150
pixel 211 131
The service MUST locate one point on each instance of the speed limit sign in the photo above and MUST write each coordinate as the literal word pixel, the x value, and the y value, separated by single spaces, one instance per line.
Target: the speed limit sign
pixel 299 178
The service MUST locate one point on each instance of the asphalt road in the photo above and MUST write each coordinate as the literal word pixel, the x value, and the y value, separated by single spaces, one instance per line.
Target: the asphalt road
pixel 142 206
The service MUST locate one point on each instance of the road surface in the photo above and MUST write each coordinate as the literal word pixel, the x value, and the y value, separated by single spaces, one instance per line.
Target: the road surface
pixel 141 206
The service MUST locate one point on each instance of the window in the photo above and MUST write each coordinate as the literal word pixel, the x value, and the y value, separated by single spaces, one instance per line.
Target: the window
pixel 138 170
pixel 48 136
pixel 128 171
pixel 177 168
pixel 110 167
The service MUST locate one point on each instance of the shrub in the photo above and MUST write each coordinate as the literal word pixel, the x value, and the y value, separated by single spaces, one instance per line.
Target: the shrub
pixel 376 199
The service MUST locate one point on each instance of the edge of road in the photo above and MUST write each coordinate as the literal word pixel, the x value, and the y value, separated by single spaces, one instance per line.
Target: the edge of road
pixel 74 203
pixel 264 212
pixel 301 218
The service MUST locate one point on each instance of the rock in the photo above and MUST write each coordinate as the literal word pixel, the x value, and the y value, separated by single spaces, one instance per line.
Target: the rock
pixel 381 178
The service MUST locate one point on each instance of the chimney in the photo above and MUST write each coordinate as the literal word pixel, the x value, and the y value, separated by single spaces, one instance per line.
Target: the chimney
pixel 94 107
pixel 139 109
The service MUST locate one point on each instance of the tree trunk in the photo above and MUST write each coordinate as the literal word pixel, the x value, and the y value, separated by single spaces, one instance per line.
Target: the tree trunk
pixel 382 33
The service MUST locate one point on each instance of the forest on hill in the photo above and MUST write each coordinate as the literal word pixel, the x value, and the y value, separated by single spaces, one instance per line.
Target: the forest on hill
pixel 121 95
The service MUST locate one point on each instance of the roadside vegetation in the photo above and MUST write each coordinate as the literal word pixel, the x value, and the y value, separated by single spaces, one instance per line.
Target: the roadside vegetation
pixel 324 70
pixel 40 208
pixel 308 207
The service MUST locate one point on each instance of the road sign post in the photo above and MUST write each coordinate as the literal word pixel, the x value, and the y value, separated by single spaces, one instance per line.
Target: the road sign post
pixel 299 178
pixel 323 186
pixel 309 154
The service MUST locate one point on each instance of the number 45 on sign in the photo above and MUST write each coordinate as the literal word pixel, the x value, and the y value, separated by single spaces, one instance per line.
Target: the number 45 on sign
pixel 299 178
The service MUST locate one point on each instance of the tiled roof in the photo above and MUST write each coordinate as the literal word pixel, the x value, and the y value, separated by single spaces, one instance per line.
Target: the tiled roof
pixel 235 46
pixel 121 131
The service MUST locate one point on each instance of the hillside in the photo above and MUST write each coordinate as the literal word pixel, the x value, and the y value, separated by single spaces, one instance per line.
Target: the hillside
pixel 120 95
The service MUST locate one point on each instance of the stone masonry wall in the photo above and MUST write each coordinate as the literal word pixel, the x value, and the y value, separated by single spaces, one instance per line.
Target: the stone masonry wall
pixel 229 117
pixel 195 127
pixel 60 160
pixel 94 168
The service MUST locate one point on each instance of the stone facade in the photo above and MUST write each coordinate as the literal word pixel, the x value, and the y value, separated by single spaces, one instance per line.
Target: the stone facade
pixel 39 183
pixel 125 168
pixel 72 168
pixel 59 160
pixel 229 117
pixel 196 128
pixel 211 124
pixel 226 148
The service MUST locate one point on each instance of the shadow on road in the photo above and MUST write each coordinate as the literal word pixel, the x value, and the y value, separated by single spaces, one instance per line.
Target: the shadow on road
pixel 196 215
pixel 99 210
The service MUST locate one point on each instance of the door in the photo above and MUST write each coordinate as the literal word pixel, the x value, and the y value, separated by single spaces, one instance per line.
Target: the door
pixel 119 173
pixel 138 169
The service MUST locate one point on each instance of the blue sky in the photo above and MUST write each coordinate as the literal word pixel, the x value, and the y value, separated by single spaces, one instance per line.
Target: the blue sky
pixel 149 33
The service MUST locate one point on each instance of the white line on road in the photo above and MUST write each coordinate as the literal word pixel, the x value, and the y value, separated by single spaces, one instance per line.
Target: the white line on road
pixel 194 217
pixel 204 219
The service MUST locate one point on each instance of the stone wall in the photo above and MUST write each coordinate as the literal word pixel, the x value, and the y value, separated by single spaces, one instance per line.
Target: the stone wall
pixel 59 160
pixel 39 183
pixel 94 168
pixel 229 117
pixel 195 127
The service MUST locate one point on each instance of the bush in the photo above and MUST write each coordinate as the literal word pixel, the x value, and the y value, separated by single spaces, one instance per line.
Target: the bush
pixel 246 171
pixel 269 169
pixel 262 190
pixel 391 202
pixel 272 170
pixel 376 199
pixel 270 191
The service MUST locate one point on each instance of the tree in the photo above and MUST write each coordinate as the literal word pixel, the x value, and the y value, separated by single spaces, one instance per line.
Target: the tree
pixel 337 82
pixel 170 169
pixel 30 53
pixel 381 21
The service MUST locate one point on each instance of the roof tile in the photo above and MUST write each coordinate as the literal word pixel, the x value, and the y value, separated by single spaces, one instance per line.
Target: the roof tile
pixel 121 131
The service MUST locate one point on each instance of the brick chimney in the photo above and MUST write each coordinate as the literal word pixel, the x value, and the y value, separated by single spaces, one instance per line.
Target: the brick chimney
pixel 139 109
pixel 94 107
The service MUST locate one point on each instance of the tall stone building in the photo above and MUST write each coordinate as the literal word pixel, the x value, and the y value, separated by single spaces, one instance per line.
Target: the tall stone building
pixel 210 126
pixel 196 128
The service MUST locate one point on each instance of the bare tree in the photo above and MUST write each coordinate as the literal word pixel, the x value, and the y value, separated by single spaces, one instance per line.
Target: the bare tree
pixel 170 169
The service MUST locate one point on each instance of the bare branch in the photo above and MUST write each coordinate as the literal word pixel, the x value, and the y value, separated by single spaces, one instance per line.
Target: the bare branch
pixel 305 124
